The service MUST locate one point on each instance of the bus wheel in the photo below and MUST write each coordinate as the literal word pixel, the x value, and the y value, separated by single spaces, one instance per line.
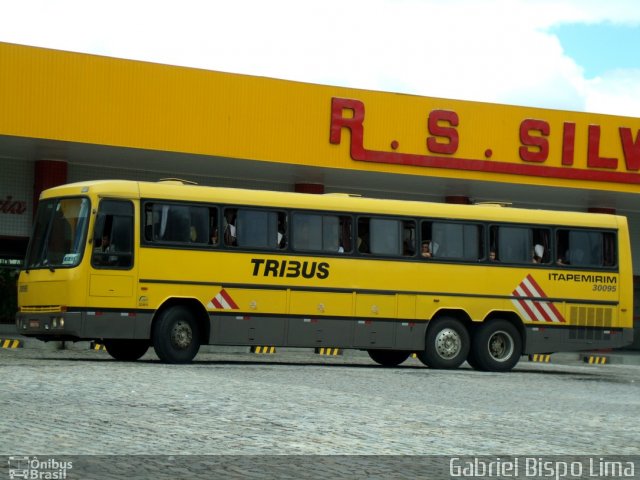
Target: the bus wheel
pixel 447 344
pixel 388 358
pixel 176 338
pixel 126 350
pixel 497 346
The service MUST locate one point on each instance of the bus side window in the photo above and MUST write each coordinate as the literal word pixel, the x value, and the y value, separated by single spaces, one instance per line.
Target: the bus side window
pixel 214 236
pixel 362 243
pixel 113 235
pixel 229 227
pixel 178 225
pixel 427 248
pixel 321 233
pixel 308 232
pixel 260 229
pixel 408 238
pixel 493 254
pixel 148 233
pixel 562 247
pixel 380 236
pixel 346 235
pixel 148 222
pixel 609 253
pixel 541 252
pixel 282 234
pixel 586 248
pixel 515 244
pixel 199 219
pixel 452 240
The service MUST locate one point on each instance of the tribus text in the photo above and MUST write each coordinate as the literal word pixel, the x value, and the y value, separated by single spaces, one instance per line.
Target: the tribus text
pixel 289 268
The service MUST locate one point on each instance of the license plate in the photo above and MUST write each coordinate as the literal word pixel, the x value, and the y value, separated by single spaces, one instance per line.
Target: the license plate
pixel 34 323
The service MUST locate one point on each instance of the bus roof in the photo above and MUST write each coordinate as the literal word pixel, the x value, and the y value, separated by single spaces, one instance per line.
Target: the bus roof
pixel 178 191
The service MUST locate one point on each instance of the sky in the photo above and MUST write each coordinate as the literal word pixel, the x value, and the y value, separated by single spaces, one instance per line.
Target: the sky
pixel 581 55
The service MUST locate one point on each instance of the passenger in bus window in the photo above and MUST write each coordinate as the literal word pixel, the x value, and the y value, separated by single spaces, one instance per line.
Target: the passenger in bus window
pixel 538 252
pixel 105 244
pixel 564 259
pixel 425 250
pixel 105 247
pixel 214 237
pixel 492 256
pixel 230 229
pixel 230 235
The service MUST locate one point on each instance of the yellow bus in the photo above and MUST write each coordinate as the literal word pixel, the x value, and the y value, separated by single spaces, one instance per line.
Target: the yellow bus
pixel 175 266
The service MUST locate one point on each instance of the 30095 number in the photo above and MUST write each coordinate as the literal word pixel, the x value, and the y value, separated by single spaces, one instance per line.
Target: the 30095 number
pixel 604 288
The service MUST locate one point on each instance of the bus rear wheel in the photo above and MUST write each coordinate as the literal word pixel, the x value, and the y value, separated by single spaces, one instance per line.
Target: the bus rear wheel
pixel 447 344
pixel 126 350
pixel 388 358
pixel 496 346
pixel 176 337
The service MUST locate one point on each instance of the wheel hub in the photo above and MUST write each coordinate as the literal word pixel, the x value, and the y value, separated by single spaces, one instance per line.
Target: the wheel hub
pixel 181 335
pixel 500 346
pixel 448 343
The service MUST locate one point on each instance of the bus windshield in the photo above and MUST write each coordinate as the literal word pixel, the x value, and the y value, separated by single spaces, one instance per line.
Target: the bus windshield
pixel 59 233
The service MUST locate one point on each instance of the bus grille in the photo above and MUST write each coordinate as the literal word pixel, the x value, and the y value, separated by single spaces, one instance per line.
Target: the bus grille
pixel 594 319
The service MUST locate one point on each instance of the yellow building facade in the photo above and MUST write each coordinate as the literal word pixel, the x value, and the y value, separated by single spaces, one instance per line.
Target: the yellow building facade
pixel 70 117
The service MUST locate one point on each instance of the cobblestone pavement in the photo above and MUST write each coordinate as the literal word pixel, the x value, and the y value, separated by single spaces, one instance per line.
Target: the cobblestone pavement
pixel 82 402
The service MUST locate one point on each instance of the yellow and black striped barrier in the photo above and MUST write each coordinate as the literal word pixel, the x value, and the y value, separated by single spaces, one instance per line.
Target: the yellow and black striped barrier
pixel 10 343
pixel 262 350
pixel 328 351
pixel 540 357
pixel 97 346
pixel 595 359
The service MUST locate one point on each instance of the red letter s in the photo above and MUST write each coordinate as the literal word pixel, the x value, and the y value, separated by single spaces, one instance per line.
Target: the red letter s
pixel 541 151
pixel 437 130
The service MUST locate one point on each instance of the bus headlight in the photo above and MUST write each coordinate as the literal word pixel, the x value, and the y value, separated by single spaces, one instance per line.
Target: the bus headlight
pixel 57 322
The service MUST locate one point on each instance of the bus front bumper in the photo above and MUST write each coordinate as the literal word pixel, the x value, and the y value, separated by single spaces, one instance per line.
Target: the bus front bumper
pixel 83 325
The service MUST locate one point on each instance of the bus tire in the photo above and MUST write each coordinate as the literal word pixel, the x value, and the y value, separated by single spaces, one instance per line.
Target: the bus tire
pixel 176 337
pixel 496 346
pixel 126 350
pixel 447 344
pixel 388 358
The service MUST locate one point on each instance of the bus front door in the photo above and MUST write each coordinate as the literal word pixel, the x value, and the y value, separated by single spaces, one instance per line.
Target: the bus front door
pixel 112 279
